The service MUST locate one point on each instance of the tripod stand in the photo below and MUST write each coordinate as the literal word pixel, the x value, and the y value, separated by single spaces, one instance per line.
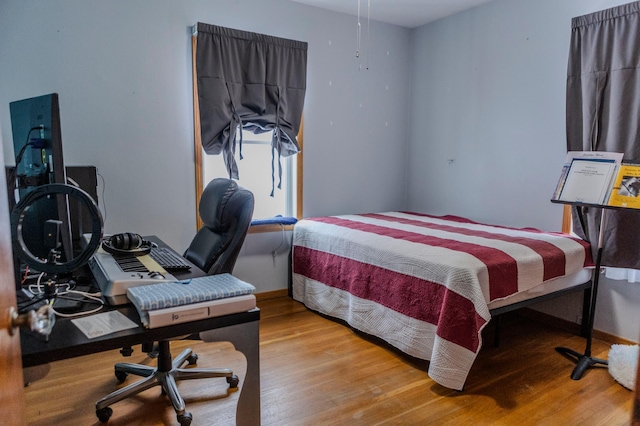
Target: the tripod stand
pixel 585 360
pixel 48 289
pixel 48 292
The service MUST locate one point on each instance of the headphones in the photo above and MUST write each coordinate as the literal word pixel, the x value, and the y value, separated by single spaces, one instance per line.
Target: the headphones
pixel 126 243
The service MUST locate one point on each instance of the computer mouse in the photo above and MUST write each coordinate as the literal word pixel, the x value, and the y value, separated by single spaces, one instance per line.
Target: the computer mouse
pixel 156 275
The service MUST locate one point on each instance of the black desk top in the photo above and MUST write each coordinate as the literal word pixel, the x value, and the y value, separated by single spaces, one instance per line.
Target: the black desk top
pixel 67 341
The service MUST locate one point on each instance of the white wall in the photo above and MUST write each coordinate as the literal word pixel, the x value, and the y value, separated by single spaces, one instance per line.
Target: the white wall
pixel 264 260
pixel 123 72
pixel 488 126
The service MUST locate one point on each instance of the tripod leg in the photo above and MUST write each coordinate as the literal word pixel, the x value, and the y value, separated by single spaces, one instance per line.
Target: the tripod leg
pixel 584 363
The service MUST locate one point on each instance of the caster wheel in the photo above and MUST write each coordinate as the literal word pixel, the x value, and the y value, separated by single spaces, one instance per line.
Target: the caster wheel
pixel 185 419
pixel 121 376
pixel 105 414
pixel 193 359
pixel 233 381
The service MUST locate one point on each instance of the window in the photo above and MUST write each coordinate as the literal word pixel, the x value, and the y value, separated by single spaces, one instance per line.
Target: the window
pixel 254 172
pixel 274 99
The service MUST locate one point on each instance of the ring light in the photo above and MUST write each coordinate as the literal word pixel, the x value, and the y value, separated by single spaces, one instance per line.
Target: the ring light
pixel 17 218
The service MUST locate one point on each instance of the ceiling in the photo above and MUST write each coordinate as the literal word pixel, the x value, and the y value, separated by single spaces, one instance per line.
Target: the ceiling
pixel 406 13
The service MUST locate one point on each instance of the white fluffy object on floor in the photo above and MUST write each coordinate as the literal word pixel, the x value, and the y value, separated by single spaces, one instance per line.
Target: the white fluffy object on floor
pixel 623 364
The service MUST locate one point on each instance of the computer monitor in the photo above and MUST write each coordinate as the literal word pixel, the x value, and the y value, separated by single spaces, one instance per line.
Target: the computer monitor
pixel 37 142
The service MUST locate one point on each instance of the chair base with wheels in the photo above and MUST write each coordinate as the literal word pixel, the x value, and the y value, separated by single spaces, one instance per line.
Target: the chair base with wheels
pixel 166 375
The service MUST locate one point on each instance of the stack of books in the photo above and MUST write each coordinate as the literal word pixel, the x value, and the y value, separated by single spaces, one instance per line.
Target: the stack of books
pixel 176 302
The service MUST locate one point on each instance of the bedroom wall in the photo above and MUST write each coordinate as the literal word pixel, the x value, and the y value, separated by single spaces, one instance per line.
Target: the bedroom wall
pixel 480 95
pixel 123 72
pixel 488 127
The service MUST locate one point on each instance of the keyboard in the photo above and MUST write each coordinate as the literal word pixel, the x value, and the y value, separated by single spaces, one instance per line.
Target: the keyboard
pixel 115 274
pixel 169 260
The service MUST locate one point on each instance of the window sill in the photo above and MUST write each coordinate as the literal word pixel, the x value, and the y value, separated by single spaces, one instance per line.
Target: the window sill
pixel 258 229
pixel 272 224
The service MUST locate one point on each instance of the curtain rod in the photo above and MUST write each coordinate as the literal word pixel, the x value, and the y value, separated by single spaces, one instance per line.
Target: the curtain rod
pixel 194 30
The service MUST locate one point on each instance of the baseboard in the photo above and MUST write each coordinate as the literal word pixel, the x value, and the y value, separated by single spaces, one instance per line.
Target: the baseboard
pixel 271 294
pixel 571 327
pixel 610 338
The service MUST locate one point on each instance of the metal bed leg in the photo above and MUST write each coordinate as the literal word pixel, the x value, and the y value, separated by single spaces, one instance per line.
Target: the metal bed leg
pixel 496 331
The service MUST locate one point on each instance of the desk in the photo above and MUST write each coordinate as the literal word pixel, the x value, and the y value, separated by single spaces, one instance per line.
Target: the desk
pixel 241 329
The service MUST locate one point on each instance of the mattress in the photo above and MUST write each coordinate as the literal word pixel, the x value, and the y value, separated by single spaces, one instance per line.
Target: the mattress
pixel 426 284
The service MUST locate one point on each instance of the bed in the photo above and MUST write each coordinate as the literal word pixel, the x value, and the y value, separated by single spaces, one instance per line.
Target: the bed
pixel 428 285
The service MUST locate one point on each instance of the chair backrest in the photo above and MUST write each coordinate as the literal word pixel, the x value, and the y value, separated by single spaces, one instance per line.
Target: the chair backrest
pixel 226 210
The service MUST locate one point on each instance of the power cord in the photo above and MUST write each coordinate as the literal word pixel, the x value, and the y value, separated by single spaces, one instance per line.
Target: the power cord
pixel 27 143
pixel 274 253
pixel 95 297
pixel 39 289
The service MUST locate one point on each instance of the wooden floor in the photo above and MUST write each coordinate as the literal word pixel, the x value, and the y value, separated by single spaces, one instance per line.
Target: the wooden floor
pixel 318 372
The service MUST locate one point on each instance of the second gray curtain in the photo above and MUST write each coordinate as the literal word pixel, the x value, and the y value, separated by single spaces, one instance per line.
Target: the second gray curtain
pixel 603 112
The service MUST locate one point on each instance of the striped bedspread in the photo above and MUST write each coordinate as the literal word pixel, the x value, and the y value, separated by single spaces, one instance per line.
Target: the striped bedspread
pixel 422 283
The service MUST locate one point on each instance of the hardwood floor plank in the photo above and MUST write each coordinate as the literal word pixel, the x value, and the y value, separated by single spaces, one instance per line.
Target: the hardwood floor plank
pixel 316 371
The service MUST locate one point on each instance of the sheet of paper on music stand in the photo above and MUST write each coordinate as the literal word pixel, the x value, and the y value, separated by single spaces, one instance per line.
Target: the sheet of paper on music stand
pixel 589 177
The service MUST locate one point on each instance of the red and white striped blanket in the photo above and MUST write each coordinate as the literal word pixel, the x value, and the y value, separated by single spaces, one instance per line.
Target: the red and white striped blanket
pixel 422 283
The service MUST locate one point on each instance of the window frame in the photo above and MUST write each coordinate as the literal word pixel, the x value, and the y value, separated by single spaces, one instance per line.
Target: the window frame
pixel 566 219
pixel 198 158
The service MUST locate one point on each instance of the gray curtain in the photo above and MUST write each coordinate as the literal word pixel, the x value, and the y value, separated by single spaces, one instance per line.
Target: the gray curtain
pixel 251 80
pixel 603 111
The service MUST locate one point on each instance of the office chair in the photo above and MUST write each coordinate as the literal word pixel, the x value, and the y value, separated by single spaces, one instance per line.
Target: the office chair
pixel 226 210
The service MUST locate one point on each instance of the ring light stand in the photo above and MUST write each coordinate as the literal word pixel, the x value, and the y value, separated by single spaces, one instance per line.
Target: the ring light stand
pixel 51 264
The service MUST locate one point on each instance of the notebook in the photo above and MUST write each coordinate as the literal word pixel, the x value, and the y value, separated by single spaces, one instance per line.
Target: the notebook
pixel 176 293
pixel 190 300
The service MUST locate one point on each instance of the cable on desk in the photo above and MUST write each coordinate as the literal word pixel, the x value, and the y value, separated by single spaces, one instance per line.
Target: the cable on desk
pixel 91 296
pixel 37 289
